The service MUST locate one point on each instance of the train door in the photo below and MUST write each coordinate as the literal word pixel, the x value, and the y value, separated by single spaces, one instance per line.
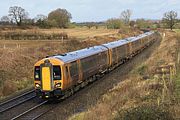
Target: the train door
pixel 110 57
pixel 80 71
pixel 129 49
pixel 117 55
pixel 74 72
pixel 66 81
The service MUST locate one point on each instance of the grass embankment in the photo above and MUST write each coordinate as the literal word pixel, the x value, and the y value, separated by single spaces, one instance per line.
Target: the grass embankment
pixel 145 94
pixel 17 57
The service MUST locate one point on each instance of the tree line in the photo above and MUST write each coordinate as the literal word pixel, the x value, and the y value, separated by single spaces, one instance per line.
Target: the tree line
pixel 61 18
pixel 169 20
pixel 19 16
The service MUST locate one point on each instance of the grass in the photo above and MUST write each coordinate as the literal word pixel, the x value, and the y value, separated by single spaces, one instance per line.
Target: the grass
pixel 78 116
pixel 80 33
pixel 177 30
pixel 145 112
pixel 177 86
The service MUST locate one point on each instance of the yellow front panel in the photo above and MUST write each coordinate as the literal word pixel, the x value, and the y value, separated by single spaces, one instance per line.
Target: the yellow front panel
pixel 46 79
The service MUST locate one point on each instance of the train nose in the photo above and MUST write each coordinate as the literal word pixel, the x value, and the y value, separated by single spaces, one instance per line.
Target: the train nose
pixel 46 74
pixel 46 79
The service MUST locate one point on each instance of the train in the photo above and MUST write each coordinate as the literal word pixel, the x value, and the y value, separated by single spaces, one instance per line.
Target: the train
pixel 61 74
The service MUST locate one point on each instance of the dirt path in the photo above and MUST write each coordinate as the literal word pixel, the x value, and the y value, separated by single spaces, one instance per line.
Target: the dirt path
pixel 89 96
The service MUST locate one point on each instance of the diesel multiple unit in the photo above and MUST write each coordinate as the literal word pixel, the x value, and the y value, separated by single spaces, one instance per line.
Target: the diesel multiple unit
pixel 55 75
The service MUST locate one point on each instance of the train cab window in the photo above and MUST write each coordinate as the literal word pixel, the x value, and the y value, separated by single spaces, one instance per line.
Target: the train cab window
pixel 37 73
pixel 56 73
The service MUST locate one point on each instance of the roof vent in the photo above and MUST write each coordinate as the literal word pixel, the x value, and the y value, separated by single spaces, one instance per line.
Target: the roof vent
pixel 56 55
pixel 63 54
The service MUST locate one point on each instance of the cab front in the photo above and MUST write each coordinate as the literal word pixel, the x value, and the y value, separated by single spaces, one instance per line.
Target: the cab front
pixel 48 78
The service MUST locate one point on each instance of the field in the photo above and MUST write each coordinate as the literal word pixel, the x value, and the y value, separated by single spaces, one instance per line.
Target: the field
pixel 18 56
pixel 78 33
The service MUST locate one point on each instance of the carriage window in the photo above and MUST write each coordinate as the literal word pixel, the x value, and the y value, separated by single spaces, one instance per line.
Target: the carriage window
pixel 56 73
pixel 37 73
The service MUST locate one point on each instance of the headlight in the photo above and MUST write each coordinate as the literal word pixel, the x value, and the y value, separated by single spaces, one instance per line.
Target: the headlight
pixel 37 85
pixel 58 85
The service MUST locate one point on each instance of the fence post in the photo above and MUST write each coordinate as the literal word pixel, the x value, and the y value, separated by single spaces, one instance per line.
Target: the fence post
pixel 178 60
pixel 62 39
pixel 4 47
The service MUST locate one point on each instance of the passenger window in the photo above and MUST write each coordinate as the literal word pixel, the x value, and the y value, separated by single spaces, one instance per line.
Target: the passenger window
pixel 56 73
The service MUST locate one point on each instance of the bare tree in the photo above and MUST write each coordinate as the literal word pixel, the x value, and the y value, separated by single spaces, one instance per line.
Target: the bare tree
pixel 170 19
pixel 41 21
pixel 114 23
pixel 126 15
pixel 5 20
pixel 40 17
pixel 18 14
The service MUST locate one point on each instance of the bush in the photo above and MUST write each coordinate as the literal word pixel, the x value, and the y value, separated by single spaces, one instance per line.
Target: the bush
pixel 32 36
pixel 142 70
pixel 145 112
pixel 114 24
pixel 8 88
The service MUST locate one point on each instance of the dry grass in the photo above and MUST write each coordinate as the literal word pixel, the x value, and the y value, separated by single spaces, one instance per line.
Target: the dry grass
pixel 167 49
pixel 22 35
pixel 131 93
pixel 75 32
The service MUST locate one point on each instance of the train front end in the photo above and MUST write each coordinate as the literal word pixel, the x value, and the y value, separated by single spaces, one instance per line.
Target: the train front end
pixel 48 78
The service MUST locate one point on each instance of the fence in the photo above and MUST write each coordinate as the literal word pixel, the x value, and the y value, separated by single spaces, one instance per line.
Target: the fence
pixel 165 73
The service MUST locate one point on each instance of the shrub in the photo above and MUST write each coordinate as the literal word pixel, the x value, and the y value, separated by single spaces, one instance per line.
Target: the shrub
pixel 8 88
pixel 142 70
pixel 114 24
pixel 145 112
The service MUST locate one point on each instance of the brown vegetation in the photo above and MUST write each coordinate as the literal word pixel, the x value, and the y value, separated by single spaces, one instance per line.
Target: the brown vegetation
pixel 35 35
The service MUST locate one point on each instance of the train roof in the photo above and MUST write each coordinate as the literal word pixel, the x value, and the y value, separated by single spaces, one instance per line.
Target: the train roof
pixel 141 36
pixel 72 56
pixel 125 41
pixel 116 43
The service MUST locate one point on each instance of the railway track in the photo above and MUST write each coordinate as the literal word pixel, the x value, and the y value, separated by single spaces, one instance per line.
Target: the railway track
pixel 30 114
pixel 11 103
pixel 41 109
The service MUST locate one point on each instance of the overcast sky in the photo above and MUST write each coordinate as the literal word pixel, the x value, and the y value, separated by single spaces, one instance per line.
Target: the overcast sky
pixel 95 10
